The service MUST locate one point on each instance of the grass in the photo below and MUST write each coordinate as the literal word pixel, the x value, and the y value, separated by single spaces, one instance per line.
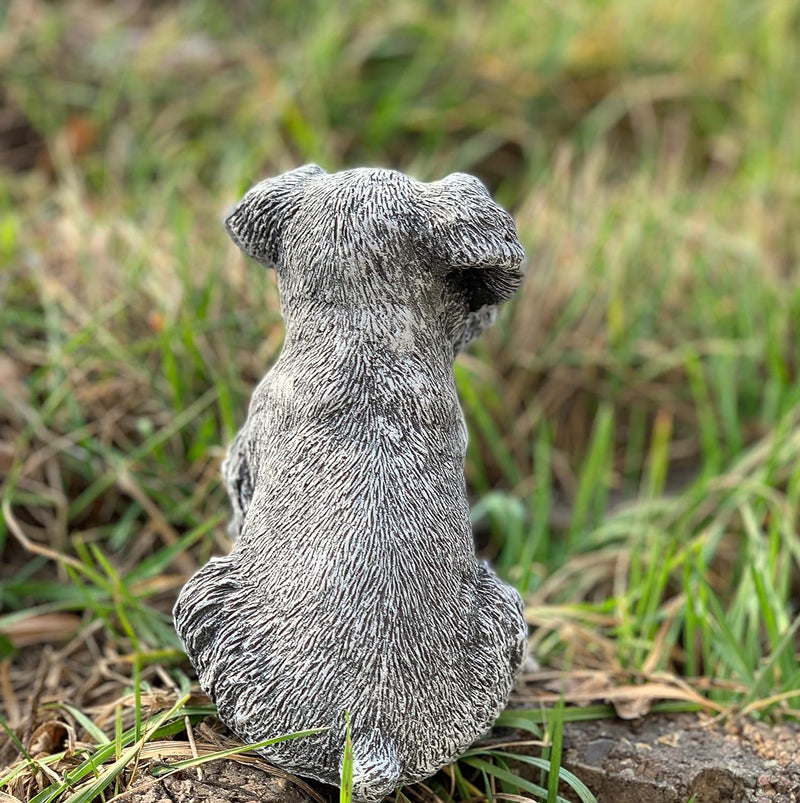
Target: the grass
pixel 633 417
pixel 103 762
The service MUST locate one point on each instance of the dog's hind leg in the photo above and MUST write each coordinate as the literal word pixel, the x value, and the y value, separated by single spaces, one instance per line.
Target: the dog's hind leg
pixel 238 477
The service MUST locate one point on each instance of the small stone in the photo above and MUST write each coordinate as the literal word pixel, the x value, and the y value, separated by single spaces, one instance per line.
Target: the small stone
pixel 597 750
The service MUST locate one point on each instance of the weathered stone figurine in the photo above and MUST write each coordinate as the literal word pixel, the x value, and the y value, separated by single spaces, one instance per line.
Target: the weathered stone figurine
pixel 353 584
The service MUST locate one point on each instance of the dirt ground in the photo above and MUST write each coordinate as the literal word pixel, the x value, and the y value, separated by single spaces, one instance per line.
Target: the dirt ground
pixel 658 759
pixel 654 758
pixel 669 759
pixel 222 782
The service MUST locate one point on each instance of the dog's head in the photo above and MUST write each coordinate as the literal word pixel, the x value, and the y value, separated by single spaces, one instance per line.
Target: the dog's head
pixel 363 235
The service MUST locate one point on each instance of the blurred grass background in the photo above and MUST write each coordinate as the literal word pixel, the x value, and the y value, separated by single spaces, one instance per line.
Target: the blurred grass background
pixel 635 415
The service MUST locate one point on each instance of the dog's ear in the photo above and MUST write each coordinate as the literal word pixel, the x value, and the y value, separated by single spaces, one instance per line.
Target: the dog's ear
pixel 256 224
pixel 473 239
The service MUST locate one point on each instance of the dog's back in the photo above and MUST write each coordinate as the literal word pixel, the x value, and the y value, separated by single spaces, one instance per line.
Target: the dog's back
pixel 353 584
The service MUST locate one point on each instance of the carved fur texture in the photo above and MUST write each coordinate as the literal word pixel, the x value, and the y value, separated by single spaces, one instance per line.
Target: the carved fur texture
pixel 353 584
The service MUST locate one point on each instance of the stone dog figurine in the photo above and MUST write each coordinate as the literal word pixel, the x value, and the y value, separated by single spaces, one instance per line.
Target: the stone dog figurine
pixel 353 584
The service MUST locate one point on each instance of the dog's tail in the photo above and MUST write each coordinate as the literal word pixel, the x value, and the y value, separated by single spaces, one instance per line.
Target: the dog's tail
pixel 376 766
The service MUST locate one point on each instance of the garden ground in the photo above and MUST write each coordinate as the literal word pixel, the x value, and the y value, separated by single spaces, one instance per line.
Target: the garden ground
pixel 634 459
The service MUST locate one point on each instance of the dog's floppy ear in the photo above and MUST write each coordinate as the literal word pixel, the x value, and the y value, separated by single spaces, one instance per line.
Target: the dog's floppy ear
pixel 256 224
pixel 473 239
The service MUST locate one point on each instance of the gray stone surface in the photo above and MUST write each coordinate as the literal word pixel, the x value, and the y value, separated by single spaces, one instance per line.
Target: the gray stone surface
pixel 353 584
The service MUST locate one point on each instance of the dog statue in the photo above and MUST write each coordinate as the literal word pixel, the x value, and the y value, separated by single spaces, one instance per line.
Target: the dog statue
pixel 353 586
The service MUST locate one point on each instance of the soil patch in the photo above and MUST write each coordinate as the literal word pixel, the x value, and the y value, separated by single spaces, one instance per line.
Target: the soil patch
pixel 670 759
pixel 219 782
pixel 658 759
pixel 663 758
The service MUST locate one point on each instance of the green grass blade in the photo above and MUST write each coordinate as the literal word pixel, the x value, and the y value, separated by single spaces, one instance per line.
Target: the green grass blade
pixel 555 728
pixel 96 733
pixel 346 786
pixel 580 788
pixel 505 775
pixel 167 769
